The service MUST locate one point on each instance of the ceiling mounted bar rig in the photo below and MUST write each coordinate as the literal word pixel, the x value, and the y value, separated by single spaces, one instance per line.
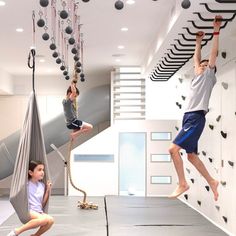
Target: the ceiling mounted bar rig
pixel 182 50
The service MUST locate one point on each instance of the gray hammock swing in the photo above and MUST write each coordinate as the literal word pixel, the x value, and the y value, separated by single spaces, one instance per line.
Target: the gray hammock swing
pixel 31 147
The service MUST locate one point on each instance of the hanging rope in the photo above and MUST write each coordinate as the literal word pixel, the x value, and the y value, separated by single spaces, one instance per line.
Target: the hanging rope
pixel 32 53
pixel 84 204
pixel 31 65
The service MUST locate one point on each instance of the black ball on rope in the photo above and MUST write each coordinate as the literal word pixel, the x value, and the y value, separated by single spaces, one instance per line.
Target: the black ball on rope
pixel 74 50
pixel 119 4
pixel 76 58
pixel 71 41
pixel 78 70
pixel 63 14
pixel 78 64
pixel 62 67
pixel 41 23
pixel 85 0
pixel 52 46
pixel 82 79
pixel 68 30
pixel 67 77
pixel 65 73
pixel 44 3
pixel 58 61
pixel 186 4
pixel 45 36
pixel 55 54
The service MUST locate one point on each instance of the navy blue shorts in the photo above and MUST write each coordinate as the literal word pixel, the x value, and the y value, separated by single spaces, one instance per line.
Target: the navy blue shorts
pixel 75 124
pixel 192 127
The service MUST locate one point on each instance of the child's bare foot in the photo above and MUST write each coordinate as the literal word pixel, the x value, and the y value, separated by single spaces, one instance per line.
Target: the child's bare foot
pixel 179 190
pixel 214 185
pixel 73 136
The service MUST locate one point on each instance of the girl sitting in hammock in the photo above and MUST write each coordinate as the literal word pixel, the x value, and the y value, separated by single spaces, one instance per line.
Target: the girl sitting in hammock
pixel 38 195
pixel 72 122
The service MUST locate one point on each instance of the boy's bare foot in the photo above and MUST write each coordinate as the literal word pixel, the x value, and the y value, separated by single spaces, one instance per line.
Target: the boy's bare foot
pixel 179 190
pixel 214 185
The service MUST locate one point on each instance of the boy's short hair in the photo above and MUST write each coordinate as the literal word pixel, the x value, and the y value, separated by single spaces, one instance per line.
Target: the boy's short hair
pixel 69 91
pixel 206 60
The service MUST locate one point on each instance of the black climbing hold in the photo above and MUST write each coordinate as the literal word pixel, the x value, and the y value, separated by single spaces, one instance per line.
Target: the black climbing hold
pixel 55 54
pixel 211 127
pixel 71 41
pixel 179 105
pixel 217 207
pixel 183 97
pixel 186 196
pixel 203 153
pixel 231 163
pixel 119 4
pixel 210 159
pixel 207 188
pixel 82 75
pixel 52 46
pixel 45 36
pixel 177 128
pixel 186 4
pixel 224 135
pixel 218 118
pixel 199 203
pixel 82 79
pixel 58 61
pixel 43 3
pixel 181 153
pixel 188 170
pixel 41 23
pixel 192 180
pixel 223 183
pixel 225 85
pixel 180 80
pixel 67 77
pixel 68 30
pixel 223 54
pixel 225 219
pixel 85 0
pixel 63 14
pixel 65 73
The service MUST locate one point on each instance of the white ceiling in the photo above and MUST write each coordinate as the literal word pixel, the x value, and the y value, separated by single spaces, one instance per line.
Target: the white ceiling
pixel 102 34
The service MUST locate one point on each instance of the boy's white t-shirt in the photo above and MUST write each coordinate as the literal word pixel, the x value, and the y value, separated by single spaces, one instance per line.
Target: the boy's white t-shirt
pixel 35 196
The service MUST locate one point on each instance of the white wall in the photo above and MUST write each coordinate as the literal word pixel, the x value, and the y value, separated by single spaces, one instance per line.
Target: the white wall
pixel 6 83
pixel 161 100
pixel 102 178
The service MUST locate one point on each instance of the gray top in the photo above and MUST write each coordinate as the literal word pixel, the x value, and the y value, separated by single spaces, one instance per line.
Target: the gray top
pixel 200 90
pixel 69 111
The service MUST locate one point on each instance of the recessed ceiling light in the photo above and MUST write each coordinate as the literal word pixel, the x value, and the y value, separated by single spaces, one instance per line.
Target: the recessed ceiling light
pixel 19 30
pixel 130 2
pixel 121 47
pixel 117 60
pixel 42 60
pixel 2 3
pixel 124 29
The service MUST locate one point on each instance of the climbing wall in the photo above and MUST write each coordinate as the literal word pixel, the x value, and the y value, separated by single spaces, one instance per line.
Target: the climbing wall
pixel 216 149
